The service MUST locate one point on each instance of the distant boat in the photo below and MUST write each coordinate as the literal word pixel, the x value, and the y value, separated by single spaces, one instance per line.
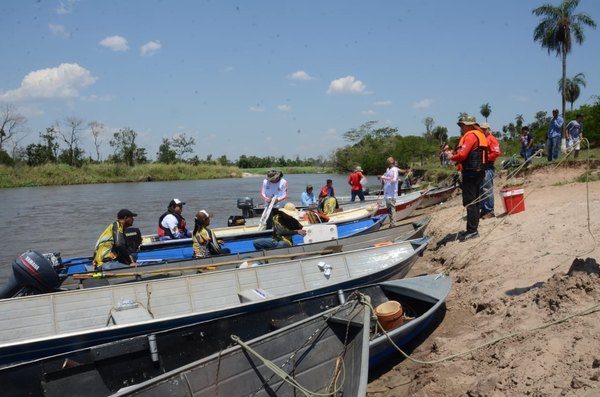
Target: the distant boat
pixel 130 361
pixel 436 195
pixel 42 325
pixel 405 205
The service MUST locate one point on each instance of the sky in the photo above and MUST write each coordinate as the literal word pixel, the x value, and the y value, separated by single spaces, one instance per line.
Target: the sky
pixel 276 77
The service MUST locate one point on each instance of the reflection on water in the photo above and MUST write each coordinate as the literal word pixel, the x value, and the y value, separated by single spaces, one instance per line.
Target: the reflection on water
pixel 68 219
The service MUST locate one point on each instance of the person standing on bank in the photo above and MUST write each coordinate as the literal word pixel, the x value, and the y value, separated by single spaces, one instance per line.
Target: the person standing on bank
pixel 355 181
pixel 111 251
pixel 470 158
pixel 526 144
pixel 575 134
pixel 274 186
pixel 487 187
pixel 285 225
pixel 171 224
pixel 390 188
pixel 554 136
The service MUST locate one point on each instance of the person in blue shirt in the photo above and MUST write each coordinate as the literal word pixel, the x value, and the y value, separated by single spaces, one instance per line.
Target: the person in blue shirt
pixel 308 197
pixel 554 135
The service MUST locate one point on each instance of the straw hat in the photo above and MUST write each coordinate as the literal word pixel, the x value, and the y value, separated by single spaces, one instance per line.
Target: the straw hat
pixel 358 169
pixel 485 126
pixel 290 210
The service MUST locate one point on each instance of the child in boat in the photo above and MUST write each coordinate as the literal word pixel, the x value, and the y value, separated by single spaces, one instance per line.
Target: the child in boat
pixel 204 242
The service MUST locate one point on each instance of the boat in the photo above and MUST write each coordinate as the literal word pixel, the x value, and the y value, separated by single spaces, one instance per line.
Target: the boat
pixel 437 195
pixel 131 361
pixel 405 205
pixel 360 212
pixel 323 355
pixel 240 246
pixel 42 325
pixel 407 231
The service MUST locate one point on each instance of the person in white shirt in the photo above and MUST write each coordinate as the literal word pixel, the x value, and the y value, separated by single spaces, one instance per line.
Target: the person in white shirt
pixel 390 188
pixel 274 185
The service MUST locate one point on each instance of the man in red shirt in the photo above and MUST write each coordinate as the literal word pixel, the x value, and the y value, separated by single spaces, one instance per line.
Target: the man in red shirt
pixel 487 187
pixel 470 158
pixel 354 180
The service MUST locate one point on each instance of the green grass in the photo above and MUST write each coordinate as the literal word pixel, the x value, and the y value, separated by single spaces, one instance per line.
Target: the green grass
pixel 61 174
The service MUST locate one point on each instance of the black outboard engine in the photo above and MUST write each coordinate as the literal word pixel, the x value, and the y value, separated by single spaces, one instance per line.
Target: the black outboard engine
pixel 246 204
pixel 32 272
pixel 133 238
pixel 236 220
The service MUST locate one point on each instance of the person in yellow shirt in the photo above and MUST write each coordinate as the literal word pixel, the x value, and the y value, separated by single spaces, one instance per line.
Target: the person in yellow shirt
pixel 111 250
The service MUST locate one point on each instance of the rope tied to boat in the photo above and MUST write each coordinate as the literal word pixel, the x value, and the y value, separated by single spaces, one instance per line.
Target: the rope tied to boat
pixel 339 373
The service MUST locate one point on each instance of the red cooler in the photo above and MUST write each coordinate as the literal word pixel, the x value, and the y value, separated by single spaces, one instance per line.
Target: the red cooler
pixel 514 199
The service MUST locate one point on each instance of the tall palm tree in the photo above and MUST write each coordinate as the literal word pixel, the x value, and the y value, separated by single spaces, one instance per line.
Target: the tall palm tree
pixel 486 110
pixel 571 87
pixel 556 30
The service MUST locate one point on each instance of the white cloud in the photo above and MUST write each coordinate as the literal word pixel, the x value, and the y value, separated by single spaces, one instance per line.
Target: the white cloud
pixel 369 112
pixel 115 43
pixel 150 48
pixel 423 104
pixel 331 132
pixel 63 81
pixel 65 6
pixel 58 30
pixel 521 98
pixel 347 85
pixel 256 109
pixel 228 69
pixel 382 103
pixel 300 75
pixel 284 108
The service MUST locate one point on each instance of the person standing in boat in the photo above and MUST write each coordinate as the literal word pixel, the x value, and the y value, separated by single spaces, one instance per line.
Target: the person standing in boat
pixel 171 224
pixel 274 186
pixel 328 204
pixel 285 225
pixel 308 197
pixel 390 188
pixel 355 180
pixel 204 242
pixel 111 251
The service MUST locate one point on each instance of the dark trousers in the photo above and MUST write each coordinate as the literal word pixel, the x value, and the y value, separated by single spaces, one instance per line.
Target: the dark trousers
pixel 471 188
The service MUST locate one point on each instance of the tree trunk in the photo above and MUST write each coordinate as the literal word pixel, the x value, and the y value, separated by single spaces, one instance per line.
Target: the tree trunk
pixel 564 85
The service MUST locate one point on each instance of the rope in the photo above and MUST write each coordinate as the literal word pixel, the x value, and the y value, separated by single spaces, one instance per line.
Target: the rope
pixel 469 253
pixel 584 312
pixel 339 371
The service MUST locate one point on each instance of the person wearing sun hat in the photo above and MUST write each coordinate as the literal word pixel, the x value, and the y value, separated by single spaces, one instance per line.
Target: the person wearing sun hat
pixel 111 251
pixel 204 242
pixel 470 158
pixel 274 186
pixel 355 180
pixel 486 206
pixel 285 225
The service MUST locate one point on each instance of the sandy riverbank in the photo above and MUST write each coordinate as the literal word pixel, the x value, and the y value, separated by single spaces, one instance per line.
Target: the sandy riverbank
pixel 525 270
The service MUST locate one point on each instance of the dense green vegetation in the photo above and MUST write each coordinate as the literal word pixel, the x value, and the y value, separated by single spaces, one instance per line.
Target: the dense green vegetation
pixel 63 174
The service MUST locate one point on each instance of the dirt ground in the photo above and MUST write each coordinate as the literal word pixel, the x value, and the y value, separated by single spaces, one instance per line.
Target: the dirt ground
pixel 526 270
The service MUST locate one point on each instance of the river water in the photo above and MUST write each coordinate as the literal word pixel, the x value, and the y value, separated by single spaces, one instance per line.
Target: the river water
pixel 69 219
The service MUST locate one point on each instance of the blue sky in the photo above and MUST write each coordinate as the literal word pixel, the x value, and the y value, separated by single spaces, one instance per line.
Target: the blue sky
pixel 278 77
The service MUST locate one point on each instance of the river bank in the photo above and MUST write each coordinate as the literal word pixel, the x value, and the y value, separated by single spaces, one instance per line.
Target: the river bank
pixel 525 274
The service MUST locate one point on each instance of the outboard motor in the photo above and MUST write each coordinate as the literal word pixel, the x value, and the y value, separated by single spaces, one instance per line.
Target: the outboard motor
pixel 246 204
pixel 31 271
pixel 133 238
pixel 236 220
